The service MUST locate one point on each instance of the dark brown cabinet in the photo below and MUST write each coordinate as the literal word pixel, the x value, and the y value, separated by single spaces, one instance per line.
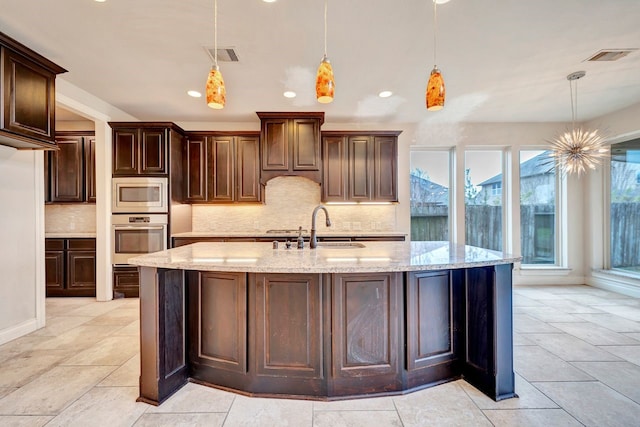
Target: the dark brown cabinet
pixel 27 93
pixel 360 167
pixel 223 168
pixel 126 282
pixel 70 267
pixel 140 150
pixel 290 145
pixel 70 171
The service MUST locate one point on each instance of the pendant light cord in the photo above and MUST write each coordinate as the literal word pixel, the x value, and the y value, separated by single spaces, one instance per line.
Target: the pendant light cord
pixel 325 28
pixel 215 32
pixel 435 32
pixel 573 91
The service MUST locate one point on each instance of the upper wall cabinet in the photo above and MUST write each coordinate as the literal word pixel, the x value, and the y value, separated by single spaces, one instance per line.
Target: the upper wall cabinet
pixel 290 144
pixel 27 93
pixel 360 167
pixel 142 148
pixel 223 167
pixel 70 171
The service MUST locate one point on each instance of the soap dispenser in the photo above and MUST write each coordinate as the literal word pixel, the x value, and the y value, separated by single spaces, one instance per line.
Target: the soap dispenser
pixel 300 239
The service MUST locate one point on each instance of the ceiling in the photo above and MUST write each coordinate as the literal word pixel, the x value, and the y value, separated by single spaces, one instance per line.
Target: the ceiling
pixel 502 61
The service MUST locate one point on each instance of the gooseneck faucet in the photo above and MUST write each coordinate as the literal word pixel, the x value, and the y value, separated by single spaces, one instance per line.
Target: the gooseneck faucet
pixel 313 240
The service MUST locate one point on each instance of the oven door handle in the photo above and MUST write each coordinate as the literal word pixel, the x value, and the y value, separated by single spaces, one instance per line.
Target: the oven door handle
pixel 137 227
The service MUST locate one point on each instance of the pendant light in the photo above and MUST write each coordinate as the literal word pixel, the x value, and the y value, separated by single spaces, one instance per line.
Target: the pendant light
pixel 577 150
pixel 325 85
pixel 216 92
pixel 435 87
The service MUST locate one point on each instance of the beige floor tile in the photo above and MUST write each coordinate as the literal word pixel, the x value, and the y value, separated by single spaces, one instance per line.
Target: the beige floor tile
pixel 24 420
pixel 571 349
pixel 262 412
pixel 593 403
pixel 531 418
pixel 595 300
pixel 630 353
pixel 102 407
pixel 196 398
pixel 356 419
pixel 612 322
pixel 126 375
pixel 444 405
pixel 6 390
pixel 537 364
pixel 62 306
pixel 95 308
pixel 635 336
pixel 630 313
pixel 370 404
pixel 51 392
pixel 522 301
pixel 132 329
pixel 121 316
pixel 550 314
pixel 595 334
pixel 525 324
pixel 109 351
pixel 536 293
pixel 181 420
pixel 571 307
pixel 20 345
pixel 60 324
pixel 519 339
pixel 623 377
pixel 77 339
pixel 529 397
pixel 21 369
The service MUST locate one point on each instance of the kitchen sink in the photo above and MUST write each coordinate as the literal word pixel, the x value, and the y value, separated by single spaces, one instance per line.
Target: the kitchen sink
pixel 340 245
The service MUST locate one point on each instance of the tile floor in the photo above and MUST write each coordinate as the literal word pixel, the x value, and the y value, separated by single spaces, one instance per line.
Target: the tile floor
pixel 577 362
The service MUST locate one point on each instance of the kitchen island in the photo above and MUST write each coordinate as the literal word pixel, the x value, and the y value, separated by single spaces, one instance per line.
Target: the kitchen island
pixel 345 319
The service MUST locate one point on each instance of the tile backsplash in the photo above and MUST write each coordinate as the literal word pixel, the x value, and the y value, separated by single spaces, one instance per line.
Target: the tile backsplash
pixel 70 218
pixel 289 202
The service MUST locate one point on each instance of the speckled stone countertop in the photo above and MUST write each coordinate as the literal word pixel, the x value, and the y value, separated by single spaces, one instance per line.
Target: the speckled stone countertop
pixel 373 257
pixel 69 235
pixel 290 234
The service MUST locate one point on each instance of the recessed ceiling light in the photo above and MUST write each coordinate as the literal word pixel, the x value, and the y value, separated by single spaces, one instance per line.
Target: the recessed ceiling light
pixel 269 1
pixel 385 94
pixel 194 93
pixel 441 1
pixel 289 94
pixel 100 1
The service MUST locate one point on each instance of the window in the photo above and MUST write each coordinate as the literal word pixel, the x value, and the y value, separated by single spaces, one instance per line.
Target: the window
pixel 483 199
pixel 624 206
pixel 429 195
pixel 537 208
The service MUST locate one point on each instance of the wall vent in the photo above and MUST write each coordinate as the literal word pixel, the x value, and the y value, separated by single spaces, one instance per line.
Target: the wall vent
pixel 225 54
pixel 610 54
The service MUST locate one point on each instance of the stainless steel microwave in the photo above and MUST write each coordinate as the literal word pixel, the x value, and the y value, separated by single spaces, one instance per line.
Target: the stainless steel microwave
pixel 140 195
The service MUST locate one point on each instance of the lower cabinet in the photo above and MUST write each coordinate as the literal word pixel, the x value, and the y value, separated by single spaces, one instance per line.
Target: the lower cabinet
pixel 70 267
pixel 126 282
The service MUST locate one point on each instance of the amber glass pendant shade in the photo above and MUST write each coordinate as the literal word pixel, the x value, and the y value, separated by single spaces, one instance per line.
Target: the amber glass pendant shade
pixel 435 91
pixel 325 85
pixel 216 92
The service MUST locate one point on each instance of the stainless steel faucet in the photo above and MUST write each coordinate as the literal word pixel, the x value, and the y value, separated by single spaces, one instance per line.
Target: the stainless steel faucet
pixel 313 241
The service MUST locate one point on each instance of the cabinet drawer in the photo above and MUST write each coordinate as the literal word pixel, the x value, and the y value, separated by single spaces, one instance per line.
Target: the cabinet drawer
pixel 53 244
pixel 82 244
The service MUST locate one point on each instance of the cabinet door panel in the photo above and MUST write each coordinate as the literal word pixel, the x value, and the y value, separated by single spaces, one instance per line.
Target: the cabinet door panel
pixel 385 171
pixel 306 147
pixel 221 161
pixel 248 169
pixel 153 151
pixel 81 270
pixel 90 168
pixel 334 181
pixel 54 272
pixel 359 168
pixel 288 325
pixel 125 148
pixel 67 171
pixel 275 145
pixel 197 169
pixel 29 97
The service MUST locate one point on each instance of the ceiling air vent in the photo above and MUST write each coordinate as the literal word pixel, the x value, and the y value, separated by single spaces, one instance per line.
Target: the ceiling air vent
pixel 225 54
pixel 610 54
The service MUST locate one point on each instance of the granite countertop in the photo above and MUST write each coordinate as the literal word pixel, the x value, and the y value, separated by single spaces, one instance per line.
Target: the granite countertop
pixel 69 235
pixel 257 257
pixel 282 233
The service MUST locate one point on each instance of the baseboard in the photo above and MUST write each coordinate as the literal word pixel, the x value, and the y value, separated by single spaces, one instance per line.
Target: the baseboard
pixel 616 283
pixel 18 330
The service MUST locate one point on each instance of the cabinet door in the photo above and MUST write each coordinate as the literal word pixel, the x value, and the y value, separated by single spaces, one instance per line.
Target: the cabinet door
pixel 385 169
pixel 125 149
pixel 29 100
pixel 359 168
pixel 81 273
pixel 90 168
pixel 334 169
pixel 47 176
pixel 54 272
pixel 196 169
pixel 67 178
pixel 275 145
pixel 126 282
pixel 306 144
pixel 153 152
pixel 248 169
pixel 221 159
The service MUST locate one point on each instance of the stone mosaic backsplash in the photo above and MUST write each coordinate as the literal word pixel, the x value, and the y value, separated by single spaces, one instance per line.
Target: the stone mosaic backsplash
pixel 70 218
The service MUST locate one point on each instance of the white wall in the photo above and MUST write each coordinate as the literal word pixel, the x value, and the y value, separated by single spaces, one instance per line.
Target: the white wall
pixel 22 242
